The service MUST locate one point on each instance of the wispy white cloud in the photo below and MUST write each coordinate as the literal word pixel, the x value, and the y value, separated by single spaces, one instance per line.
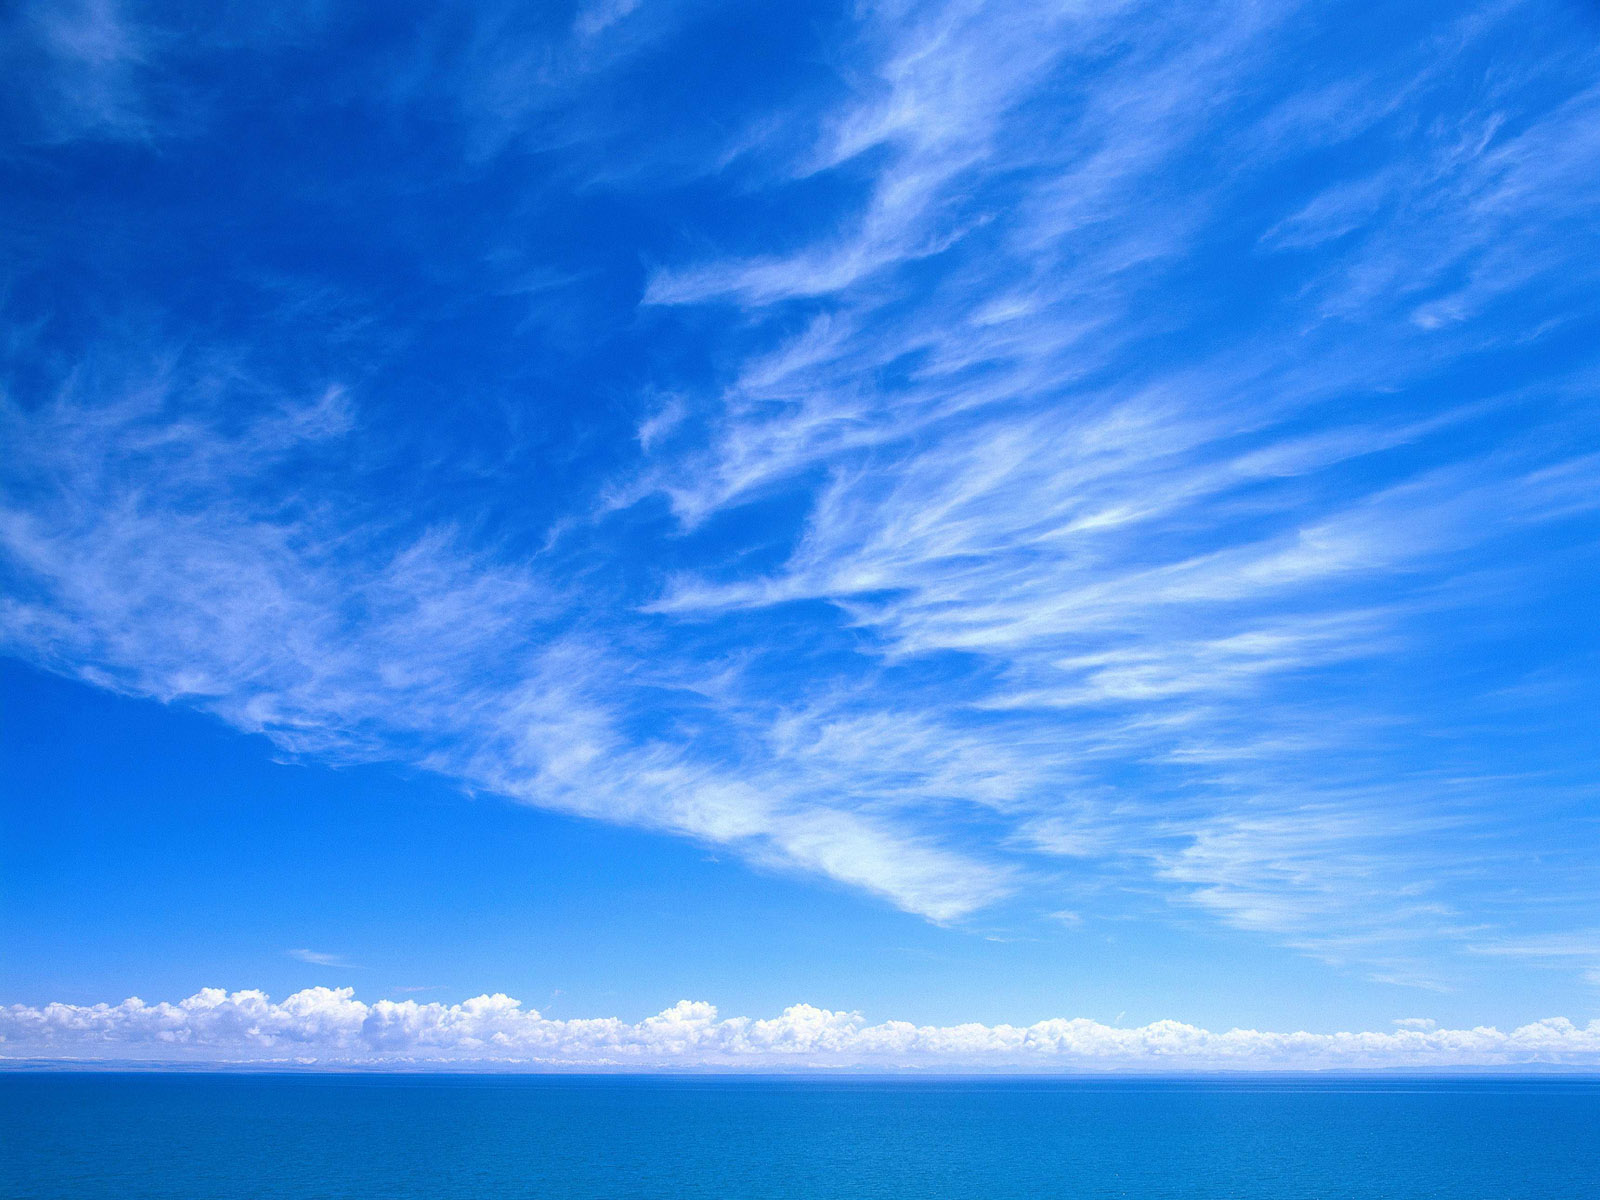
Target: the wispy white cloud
pixel 330 1027
pixel 123 70
pixel 166 559
pixel 318 958
pixel 1564 950
pixel 1165 565
pixel 1573 943
pixel 1123 539
pixel 942 80
pixel 87 67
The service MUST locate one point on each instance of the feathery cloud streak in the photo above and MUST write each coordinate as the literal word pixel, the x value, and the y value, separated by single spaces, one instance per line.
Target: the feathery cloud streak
pixel 1172 563
pixel 1117 451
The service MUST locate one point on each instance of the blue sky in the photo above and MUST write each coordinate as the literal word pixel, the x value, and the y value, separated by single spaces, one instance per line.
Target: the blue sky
pixel 953 513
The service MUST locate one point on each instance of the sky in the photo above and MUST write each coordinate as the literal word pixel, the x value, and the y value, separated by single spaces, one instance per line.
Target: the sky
pixel 1012 535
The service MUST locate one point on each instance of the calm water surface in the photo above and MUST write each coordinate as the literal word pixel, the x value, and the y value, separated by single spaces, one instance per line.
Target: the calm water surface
pixel 87 1136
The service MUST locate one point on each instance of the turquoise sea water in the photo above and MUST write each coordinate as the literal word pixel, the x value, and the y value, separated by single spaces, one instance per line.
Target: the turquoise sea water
pixel 140 1135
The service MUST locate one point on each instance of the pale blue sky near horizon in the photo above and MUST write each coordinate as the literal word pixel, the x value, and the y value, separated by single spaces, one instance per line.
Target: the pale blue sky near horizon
pixel 956 512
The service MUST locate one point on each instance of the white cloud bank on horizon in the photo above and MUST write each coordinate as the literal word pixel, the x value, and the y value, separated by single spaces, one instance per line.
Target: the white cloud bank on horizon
pixel 328 1027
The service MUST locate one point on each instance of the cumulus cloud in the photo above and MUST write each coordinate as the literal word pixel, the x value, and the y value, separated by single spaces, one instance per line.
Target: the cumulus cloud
pixel 329 1026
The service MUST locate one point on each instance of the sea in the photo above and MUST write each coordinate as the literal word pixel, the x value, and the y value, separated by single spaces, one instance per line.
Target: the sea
pixel 214 1136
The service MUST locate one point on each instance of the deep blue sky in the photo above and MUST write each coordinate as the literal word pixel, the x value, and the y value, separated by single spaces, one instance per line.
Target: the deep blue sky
pixel 965 512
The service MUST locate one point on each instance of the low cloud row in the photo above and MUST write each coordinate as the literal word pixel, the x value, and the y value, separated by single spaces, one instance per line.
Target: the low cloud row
pixel 329 1026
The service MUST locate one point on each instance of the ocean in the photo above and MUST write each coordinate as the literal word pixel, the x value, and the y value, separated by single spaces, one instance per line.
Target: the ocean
pixel 215 1136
